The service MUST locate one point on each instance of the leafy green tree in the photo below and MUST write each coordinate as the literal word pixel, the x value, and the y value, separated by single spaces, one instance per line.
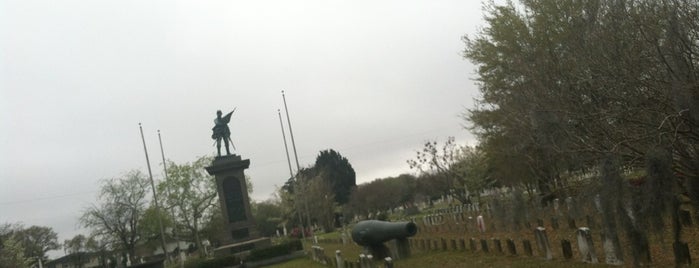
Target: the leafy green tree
pixel 190 195
pixel 122 205
pixel 76 249
pixel 11 249
pixel 150 226
pixel 75 244
pixel 267 216
pixel 213 226
pixel 12 253
pixel 36 241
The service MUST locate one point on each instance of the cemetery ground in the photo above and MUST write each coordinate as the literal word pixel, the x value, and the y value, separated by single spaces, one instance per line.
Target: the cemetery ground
pixel 449 236
pixel 442 259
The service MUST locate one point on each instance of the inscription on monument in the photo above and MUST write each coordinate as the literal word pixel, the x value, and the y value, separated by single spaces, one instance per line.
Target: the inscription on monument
pixel 234 199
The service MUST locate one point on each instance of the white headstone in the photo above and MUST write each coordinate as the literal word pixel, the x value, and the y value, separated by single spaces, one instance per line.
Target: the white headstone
pixel 344 238
pixel 586 246
pixel 338 259
pixel 611 252
pixel 542 241
pixel 480 224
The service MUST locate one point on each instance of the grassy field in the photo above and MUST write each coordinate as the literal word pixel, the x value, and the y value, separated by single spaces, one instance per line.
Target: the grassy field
pixel 459 259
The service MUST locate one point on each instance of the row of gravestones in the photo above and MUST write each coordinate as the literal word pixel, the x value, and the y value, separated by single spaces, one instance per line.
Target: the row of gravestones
pixel 441 222
pixel 456 209
pixel 584 241
pixel 364 261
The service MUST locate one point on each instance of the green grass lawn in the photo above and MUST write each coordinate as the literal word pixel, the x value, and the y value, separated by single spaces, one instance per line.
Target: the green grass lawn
pixel 447 259
pixel 444 259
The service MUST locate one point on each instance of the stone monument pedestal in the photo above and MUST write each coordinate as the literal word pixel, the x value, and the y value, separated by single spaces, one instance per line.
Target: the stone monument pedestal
pixel 240 230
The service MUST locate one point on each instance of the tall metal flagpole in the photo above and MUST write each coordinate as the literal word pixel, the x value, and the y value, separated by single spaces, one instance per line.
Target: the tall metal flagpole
pixel 155 197
pixel 172 213
pixel 296 157
pixel 291 133
pixel 288 159
pixel 291 172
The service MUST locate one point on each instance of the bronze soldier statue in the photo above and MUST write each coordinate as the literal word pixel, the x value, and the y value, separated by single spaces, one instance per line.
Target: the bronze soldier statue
pixel 222 132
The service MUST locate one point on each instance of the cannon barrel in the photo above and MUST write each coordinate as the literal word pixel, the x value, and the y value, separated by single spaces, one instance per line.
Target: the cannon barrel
pixel 368 233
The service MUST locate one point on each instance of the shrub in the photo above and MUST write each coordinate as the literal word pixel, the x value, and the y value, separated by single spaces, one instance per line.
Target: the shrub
pixel 218 262
pixel 255 255
pixel 275 251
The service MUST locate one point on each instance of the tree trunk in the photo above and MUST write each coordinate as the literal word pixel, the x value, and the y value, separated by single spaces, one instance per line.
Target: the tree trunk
pixel 197 239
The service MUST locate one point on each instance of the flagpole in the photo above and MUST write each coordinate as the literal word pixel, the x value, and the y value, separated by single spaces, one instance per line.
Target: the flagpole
pixel 155 197
pixel 296 157
pixel 288 159
pixel 291 172
pixel 167 180
pixel 291 133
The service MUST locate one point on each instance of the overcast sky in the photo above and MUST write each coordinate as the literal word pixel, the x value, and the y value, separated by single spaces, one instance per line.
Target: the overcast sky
pixel 371 79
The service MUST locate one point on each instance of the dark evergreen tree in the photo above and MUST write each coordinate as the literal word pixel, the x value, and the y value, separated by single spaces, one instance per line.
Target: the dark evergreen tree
pixel 338 171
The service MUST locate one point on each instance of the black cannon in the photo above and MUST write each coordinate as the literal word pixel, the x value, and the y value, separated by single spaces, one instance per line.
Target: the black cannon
pixel 372 235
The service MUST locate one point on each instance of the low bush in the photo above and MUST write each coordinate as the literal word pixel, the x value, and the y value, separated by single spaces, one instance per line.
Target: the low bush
pixel 255 255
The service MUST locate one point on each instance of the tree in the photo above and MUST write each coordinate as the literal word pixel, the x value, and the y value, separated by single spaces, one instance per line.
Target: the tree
pixel 150 226
pixel 268 215
pixel 566 83
pixel 453 167
pixel 75 244
pixel 190 195
pixel 11 250
pixel 11 254
pixel 381 195
pixel 36 241
pixel 122 205
pixel 336 170
pixel 320 199
pixel 76 249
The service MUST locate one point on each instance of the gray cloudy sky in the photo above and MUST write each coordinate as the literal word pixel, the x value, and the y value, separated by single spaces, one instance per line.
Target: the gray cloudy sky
pixel 370 79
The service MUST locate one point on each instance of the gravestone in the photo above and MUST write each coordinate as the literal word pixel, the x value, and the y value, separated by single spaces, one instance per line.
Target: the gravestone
pixel 484 246
pixel 472 244
pixel 338 259
pixel 511 247
pixel 462 244
pixel 612 250
pixel 556 207
pixel 682 256
pixel 567 249
pixel 498 245
pixel 554 223
pixel 685 217
pixel 586 246
pixel 239 226
pixel 480 223
pixel 542 242
pixel 527 247
pixel 590 221
pixel 388 262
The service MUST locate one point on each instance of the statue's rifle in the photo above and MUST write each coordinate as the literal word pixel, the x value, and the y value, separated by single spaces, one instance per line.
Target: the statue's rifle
pixel 229 137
